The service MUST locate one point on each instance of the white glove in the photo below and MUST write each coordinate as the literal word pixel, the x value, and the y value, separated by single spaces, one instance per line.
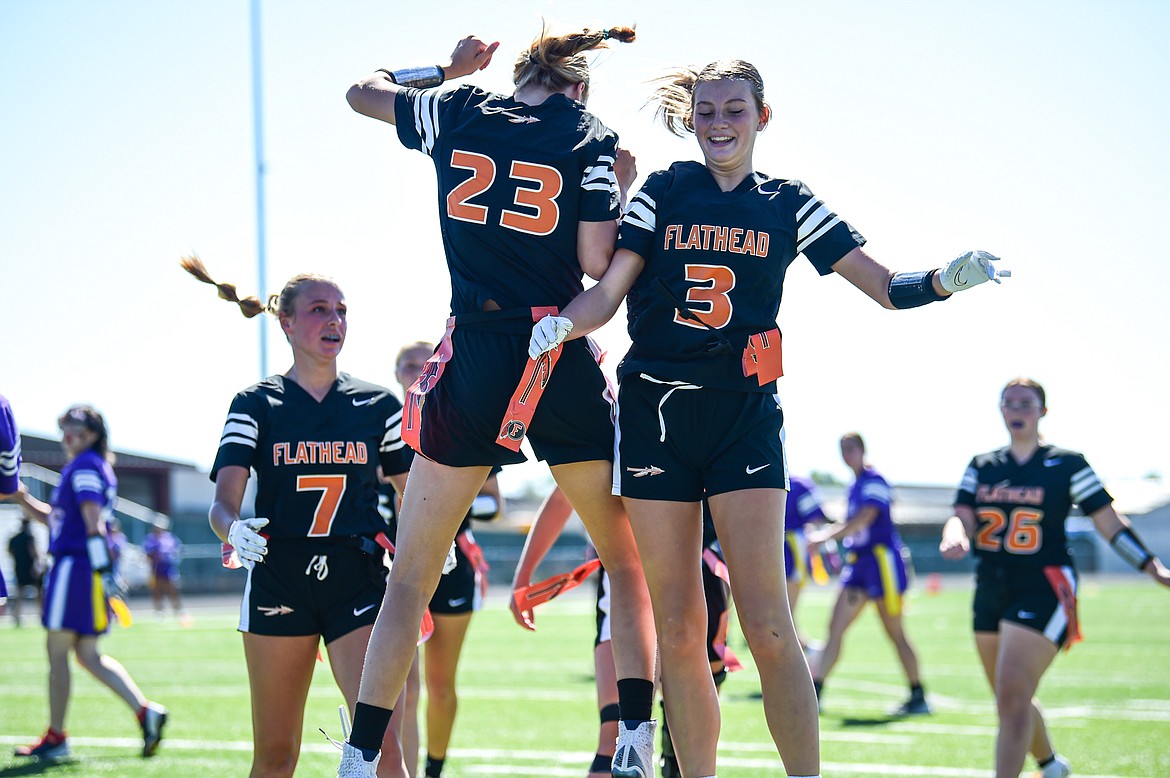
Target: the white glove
pixel 547 334
pixel 450 563
pixel 971 269
pixel 99 560
pixel 249 544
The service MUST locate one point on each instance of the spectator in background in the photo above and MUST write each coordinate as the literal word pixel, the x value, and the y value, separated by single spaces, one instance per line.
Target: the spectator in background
pixel 29 569
pixel 164 551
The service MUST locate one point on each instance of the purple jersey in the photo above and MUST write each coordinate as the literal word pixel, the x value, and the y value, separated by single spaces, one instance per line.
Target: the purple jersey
pixel 803 504
pixel 871 490
pixel 9 449
pixel 88 477
pixel 163 549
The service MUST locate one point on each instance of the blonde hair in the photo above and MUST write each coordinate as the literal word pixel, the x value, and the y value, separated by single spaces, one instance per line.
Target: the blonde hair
pixel 675 93
pixel 279 305
pixel 418 344
pixel 555 62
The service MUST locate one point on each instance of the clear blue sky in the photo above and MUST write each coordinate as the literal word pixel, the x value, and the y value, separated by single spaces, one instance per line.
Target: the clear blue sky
pixel 1035 130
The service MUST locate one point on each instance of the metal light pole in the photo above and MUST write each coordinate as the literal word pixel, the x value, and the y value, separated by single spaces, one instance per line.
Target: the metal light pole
pixel 258 128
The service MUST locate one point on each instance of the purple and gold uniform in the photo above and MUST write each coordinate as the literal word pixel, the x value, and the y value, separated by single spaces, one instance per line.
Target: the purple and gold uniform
pixel 9 460
pixel 1024 572
pixel 316 468
pixel 803 505
pixel 693 418
pixel 163 550
pixel 514 181
pixel 873 556
pixel 74 597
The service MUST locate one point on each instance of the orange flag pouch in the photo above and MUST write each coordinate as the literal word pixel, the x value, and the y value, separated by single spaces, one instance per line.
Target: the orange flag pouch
pixel 474 553
pixel 528 392
pixel 528 597
pixel 1068 601
pixel 427 628
pixel 763 357
pixel 416 394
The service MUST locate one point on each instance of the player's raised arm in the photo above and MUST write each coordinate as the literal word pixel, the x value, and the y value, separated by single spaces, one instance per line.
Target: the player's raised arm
pixel 374 95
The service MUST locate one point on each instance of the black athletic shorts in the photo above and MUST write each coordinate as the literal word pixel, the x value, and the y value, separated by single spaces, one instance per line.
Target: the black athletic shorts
pixel 1029 598
pixel 677 441
pixel 309 586
pixel 464 409
pixel 458 590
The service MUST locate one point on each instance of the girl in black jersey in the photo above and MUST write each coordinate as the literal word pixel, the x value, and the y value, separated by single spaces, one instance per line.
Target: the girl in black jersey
pixel 1010 511
pixel 528 202
pixel 315 438
pixel 701 259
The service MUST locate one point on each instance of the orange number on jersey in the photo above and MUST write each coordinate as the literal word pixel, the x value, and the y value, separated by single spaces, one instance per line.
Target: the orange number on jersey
pixel 709 298
pixel 543 199
pixel 1023 534
pixel 483 173
pixel 332 488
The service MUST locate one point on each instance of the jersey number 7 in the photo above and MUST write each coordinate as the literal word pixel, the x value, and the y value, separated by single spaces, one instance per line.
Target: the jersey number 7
pixel 332 489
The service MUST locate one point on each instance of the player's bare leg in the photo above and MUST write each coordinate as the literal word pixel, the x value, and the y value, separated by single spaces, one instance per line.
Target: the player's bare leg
pixel 750 526
pixel 436 500
pixel 987 644
pixel 441 662
pixel 587 485
pixel 1024 656
pixel 280 670
pixel 673 574
pixel 346 656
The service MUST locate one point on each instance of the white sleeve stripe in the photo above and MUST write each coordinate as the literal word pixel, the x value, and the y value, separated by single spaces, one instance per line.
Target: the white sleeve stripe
pixel 876 491
pixel 246 430
pixel 388 447
pixel 596 172
pixel 639 215
pixel 238 440
pixel 805 226
pixel 647 199
pixel 812 203
pixel 970 481
pixel 426 119
pixel 245 418
pixel 395 418
pixel 815 237
pixel 86 481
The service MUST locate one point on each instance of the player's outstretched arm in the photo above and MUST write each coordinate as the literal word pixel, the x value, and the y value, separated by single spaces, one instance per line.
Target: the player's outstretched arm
pixel 546 528
pixel 374 95
pixel 910 290
pixel 590 309
pixel 1116 529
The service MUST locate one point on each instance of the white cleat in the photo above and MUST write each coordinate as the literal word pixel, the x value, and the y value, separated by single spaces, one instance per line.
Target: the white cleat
pixel 354 764
pixel 1057 768
pixel 634 757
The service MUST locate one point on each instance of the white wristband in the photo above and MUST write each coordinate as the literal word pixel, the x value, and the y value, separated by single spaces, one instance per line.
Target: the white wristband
pixel 99 552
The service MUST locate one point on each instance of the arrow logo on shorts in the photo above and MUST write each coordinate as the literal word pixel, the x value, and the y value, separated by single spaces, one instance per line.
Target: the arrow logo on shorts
pixel 279 610
pixel 642 472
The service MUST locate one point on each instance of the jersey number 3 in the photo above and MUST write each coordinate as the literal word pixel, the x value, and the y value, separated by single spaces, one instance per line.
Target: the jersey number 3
pixel 332 488
pixel 1023 530
pixel 545 215
pixel 709 298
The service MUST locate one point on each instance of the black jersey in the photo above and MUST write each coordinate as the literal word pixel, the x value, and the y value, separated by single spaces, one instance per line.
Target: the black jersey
pixel 513 182
pixel 723 255
pixel 1020 509
pixel 316 463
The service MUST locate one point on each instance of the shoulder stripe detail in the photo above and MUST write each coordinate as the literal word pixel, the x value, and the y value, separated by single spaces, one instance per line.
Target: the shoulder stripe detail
pixel 1084 483
pixel 238 440
pixel 876 491
pixel 394 418
pixel 970 481
pixel 600 177
pixel 9 460
pixel 426 119
pixel 640 213
pixel 86 481
pixel 392 440
pixel 815 224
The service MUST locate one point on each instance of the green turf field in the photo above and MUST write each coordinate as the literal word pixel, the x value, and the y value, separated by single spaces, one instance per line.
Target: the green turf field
pixel 527 702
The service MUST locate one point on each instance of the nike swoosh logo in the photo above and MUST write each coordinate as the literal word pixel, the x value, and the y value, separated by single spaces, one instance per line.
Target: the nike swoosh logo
pixel 1051 462
pixel 456 602
pixel 1026 615
pixel 366 401
pixel 750 470
pixel 360 611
